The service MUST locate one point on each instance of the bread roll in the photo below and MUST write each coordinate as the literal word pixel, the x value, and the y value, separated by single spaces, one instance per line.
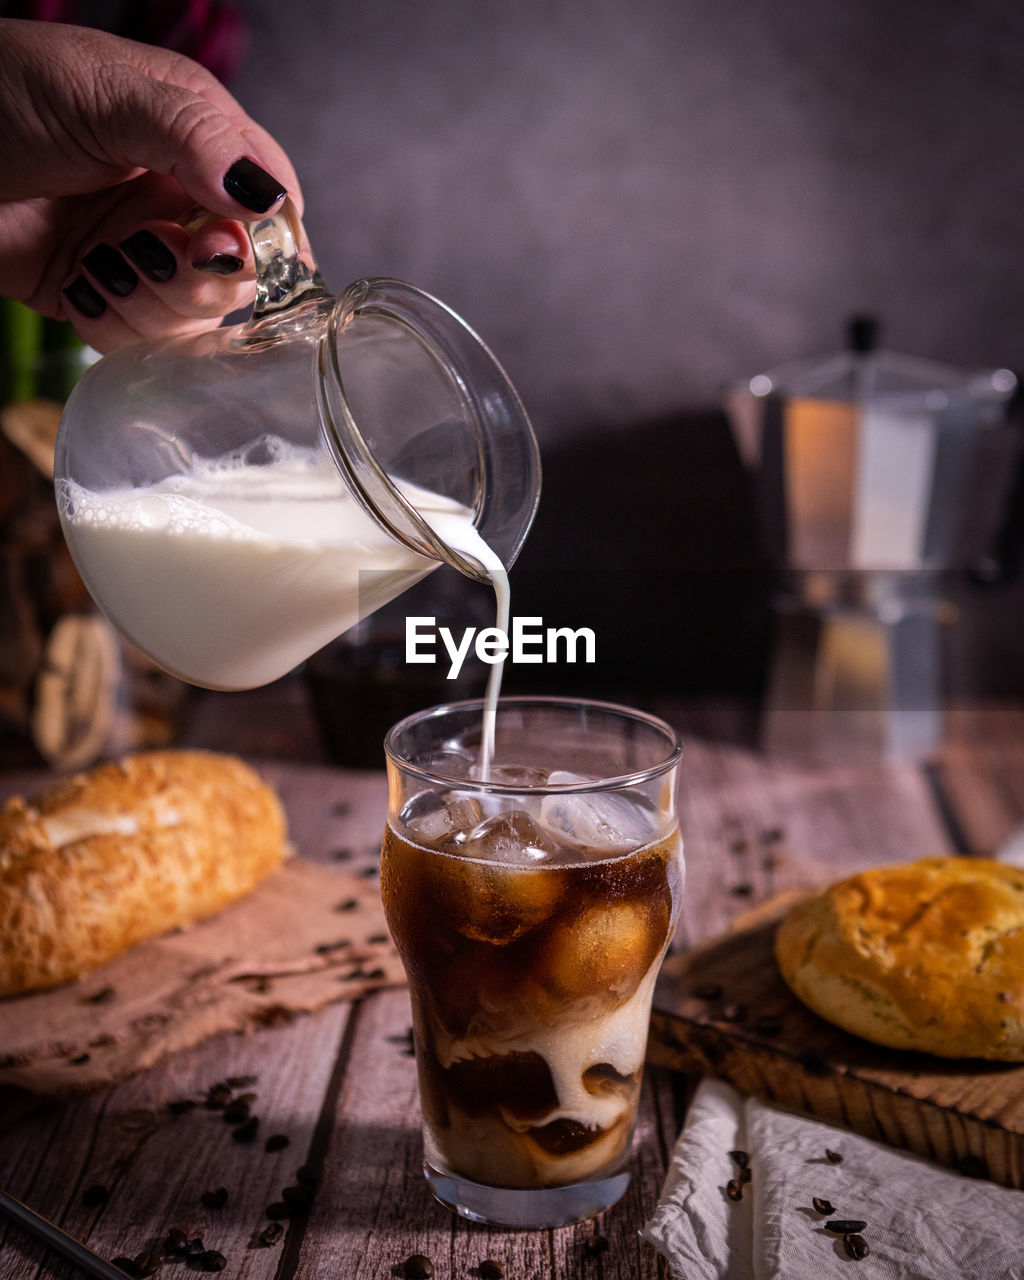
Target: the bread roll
pixel 103 859
pixel 926 955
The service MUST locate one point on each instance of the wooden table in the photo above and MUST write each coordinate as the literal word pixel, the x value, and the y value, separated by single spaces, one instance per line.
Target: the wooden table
pixel 341 1084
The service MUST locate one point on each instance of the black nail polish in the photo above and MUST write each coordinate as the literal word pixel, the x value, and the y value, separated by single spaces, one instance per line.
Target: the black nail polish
pixel 252 186
pixel 150 255
pixel 84 298
pixel 221 264
pixel 107 266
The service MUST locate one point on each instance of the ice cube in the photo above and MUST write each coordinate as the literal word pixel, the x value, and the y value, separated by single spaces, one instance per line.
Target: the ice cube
pixel 603 821
pixel 442 817
pixel 511 837
pixel 606 951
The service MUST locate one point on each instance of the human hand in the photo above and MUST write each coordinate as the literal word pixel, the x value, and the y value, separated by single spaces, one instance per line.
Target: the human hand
pixel 106 147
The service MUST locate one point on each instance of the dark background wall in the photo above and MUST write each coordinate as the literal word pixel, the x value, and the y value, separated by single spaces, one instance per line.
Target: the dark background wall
pixel 636 202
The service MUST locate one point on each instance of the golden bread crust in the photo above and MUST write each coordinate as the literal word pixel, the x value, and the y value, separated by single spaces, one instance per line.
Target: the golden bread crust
pixel 926 955
pixel 103 859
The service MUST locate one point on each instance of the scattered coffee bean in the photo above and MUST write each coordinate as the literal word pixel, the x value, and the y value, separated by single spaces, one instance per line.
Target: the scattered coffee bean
pixel 734 1013
pixel 378 937
pixel 103 996
pixel 278 1210
pixel 177 1240
pixel 767 1024
pixel 213 1261
pixel 218 1096
pixel 743 890
pixel 739 846
pixel 147 1264
pixel 214 1199
pixel 180 1105
pixel 271 1233
pixel 236 1112
pixel 772 836
pixel 276 1142
pixel 734 1189
pixel 343 855
pixel 856 1246
pixel 299 1196
pixel 349 904
pixel 595 1244
pixel 833 1157
pixel 417 1267
pixel 822 1206
pixel 741 1158
pixel 844 1226
pixel 374 974
pixel 246 1132
pixel 491 1269
pixel 242 1082
pixel 812 1063
pixel 746 1174
pixel 195 1247
pixel 95 1195
pixel 368 873
pixel 80 1060
pixel 326 948
pixel 708 991
pixel 307 1176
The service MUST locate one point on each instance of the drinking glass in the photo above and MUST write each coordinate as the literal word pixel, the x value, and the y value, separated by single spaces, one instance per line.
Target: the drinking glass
pixel 531 910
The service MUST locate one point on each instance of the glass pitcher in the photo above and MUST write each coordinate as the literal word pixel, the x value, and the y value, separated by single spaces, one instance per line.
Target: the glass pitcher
pixel 237 499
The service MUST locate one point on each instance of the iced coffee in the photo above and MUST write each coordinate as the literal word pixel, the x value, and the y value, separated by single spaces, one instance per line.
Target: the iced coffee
pixel 532 912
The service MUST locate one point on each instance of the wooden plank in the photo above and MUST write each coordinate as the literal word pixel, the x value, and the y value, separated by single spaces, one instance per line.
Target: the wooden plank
pixel 156 1164
pixel 775 1048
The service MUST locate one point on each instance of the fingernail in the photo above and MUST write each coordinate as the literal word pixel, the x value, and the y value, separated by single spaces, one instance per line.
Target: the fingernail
pixel 221 264
pixel 84 298
pixel 252 186
pixel 150 255
pixel 106 265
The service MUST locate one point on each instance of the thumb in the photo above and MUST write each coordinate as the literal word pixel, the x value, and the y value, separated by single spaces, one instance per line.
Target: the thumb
pixel 198 135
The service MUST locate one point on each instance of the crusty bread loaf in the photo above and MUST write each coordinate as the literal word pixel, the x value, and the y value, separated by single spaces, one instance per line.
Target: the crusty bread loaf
pixel 926 955
pixel 104 859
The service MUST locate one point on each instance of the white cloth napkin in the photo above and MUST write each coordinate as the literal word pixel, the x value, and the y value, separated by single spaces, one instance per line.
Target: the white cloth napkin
pixel 923 1222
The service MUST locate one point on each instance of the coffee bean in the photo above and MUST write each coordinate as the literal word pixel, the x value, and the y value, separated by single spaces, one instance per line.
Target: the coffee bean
pixel 104 996
pixel 278 1210
pixel 195 1247
pixel 708 991
pixel 276 1142
pixel 743 890
pixel 374 974
pixel 734 1189
pixel 80 1060
pixel 147 1264
pixel 177 1240
pixel 417 1267
pixel 236 1112
pixel 491 1269
pixel 300 1196
pixel 180 1105
pixel 845 1226
pixel 95 1195
pixel 307 1176
pixel 746 1175
pixel 343 855
pixel 833 1157
pixel 246 1132
pixel 271 1233
pixel 822 1206
pixel 596 1244
pixel 741 1158
pixel 242 1082
pixel 856 1246
pixel 325 948
pixel 217 1097
pixel 772 836
pixel 213 1261
pixel 214 1199
pixel 349 904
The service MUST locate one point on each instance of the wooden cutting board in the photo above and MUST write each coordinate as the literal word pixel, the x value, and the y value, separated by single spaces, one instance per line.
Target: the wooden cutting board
pixel 724 1010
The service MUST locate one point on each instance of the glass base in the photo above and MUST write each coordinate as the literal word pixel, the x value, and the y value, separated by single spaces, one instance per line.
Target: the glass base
pixel 511 1207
